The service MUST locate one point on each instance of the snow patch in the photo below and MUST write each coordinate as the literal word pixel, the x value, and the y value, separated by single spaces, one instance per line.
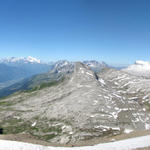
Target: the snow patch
pixel 128 144
pixel 147 126
pixel 101 81
pixel 33 124
pixel 89 74
pixel 128 131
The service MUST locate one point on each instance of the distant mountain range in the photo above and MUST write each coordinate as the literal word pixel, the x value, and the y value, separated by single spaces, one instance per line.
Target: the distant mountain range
pixel 19 74
pixel 19 60
pixel 18 68
pixel 33 72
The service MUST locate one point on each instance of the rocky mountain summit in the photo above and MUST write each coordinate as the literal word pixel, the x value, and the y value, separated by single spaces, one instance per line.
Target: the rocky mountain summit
pixel 65 66
pixel 84 105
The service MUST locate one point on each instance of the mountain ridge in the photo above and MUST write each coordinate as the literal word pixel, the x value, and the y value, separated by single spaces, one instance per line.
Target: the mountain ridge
pixel 83 106
pixel 28 59
pixel 58 69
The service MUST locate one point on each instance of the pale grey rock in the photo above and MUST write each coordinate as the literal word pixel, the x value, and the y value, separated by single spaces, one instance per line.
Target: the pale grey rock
pixel 85 105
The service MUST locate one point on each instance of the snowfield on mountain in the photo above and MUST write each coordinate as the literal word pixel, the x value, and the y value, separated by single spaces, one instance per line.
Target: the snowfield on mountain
pixel 140 68
pixel 29 59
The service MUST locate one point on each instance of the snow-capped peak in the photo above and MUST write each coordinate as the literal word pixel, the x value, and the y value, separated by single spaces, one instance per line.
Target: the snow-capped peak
pixel 33 60
pixel 93 63
pixel 29 59
pixel 139 68
pixel 144 63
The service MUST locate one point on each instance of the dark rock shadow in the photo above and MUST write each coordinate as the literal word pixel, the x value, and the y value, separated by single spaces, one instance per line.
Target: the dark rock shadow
pixel 1 130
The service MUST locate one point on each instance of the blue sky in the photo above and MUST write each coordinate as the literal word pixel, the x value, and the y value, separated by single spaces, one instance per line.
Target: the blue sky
pixel 116 31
